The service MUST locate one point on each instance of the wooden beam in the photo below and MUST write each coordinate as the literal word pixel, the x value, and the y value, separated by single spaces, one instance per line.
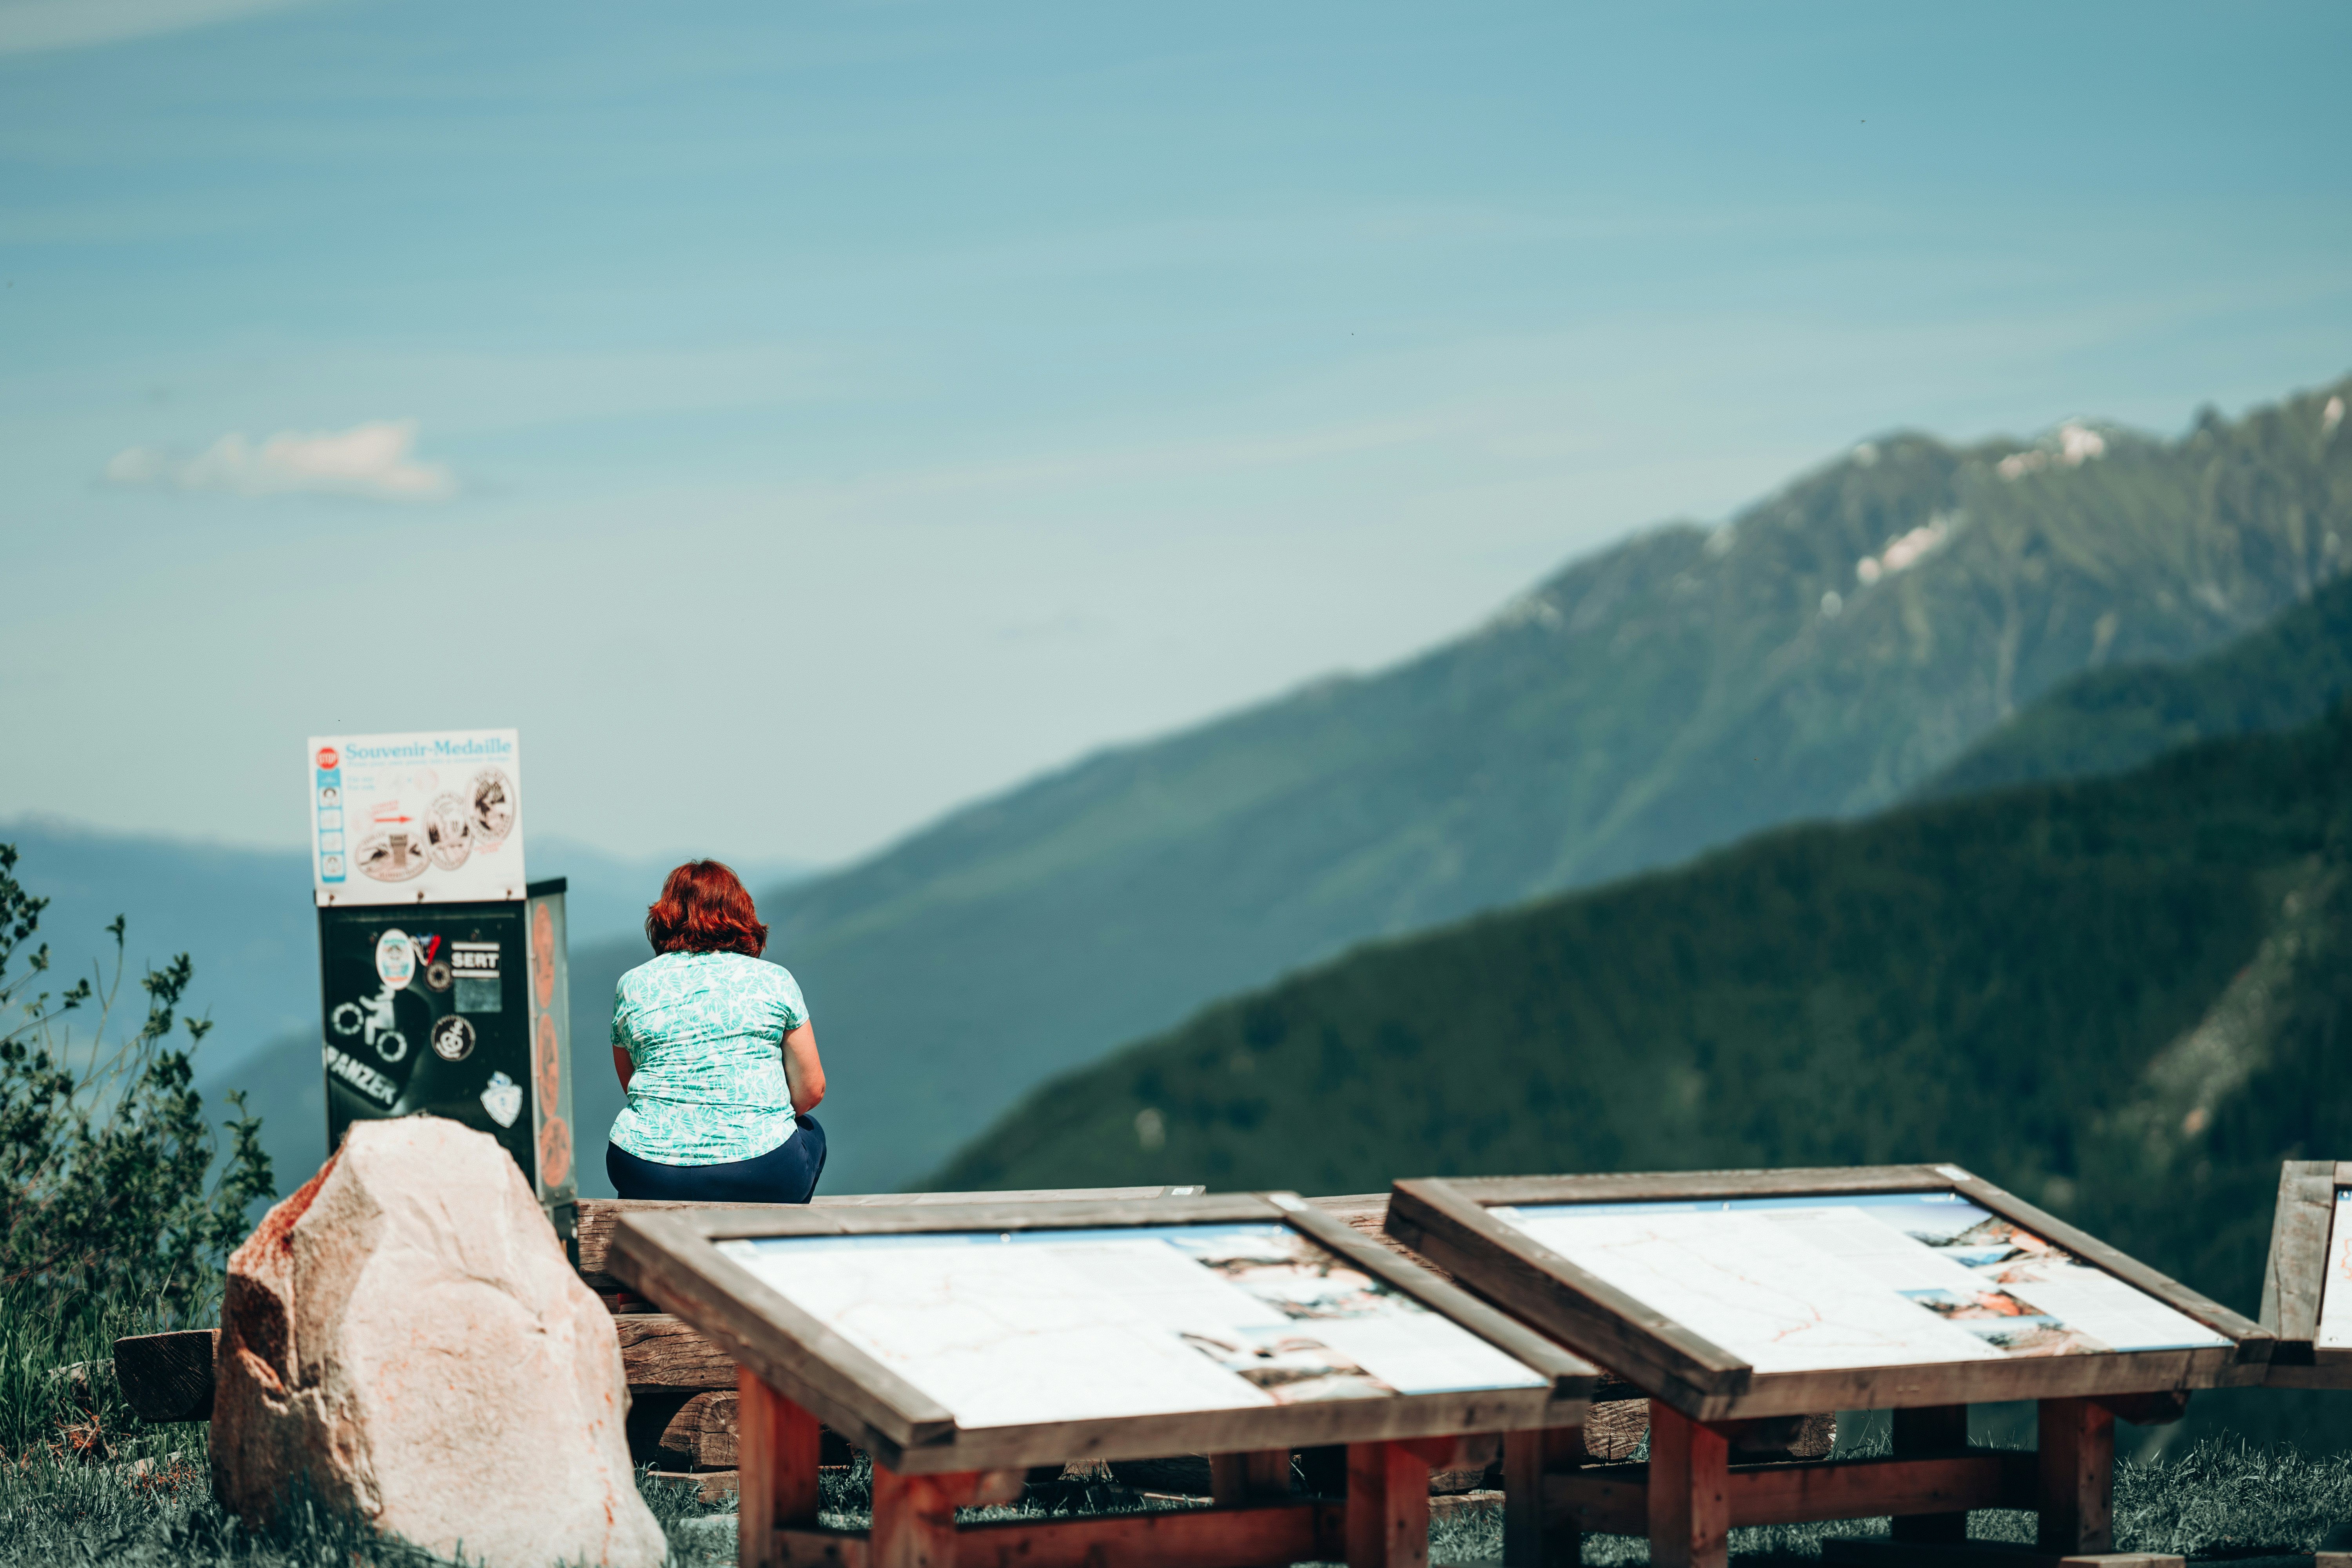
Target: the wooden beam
pixel 1924 1431
pixel 1253 1475
pixel 2077 1464
pixel 914 1520
pixel 1175 1538
pixel 1616 1498
pixel 168 1377
pixel 776 1444
pixel 1690 1495
pixel 1388 1507
pixel 2294 1274
pixel 1861 1554
pixel 1531 1539
pixel 1586 1313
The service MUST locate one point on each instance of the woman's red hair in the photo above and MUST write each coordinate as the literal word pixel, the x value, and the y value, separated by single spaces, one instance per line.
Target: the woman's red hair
pixel 704 908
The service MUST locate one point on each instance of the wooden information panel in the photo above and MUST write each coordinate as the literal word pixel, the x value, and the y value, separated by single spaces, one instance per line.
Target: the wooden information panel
pixel 1734 1298
pixel 961 1344
pixel 2307 1285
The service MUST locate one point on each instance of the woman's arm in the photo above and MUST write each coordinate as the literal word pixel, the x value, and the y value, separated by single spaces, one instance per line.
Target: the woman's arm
pixel 804 1071
pixel 623 1067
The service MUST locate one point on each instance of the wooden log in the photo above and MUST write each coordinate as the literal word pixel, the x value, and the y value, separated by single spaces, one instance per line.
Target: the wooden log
pixel 2077 1455
pixel 2297 1265
pixel 168 1377
pixel 662 1351
pixel 1388 1506
pixel 1933 1429
pixel 1690 1493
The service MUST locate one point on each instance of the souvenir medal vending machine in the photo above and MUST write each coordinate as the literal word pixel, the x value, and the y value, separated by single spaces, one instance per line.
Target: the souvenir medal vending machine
pixel 443 970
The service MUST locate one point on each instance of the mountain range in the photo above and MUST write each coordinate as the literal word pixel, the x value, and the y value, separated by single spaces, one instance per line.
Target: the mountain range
pixel 1827 650
pixel 1879 628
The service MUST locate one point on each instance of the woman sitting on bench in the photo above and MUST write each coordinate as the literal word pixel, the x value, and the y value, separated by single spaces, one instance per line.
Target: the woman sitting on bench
pixel 715 1054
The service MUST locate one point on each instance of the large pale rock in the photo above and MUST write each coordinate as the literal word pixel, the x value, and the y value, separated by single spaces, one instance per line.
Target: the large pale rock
pixel 406 1332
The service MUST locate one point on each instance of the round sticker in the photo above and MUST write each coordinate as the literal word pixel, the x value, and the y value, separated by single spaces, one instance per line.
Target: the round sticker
pixel 492 795
pixel 327 759
pixel 437 974
pixel 453 1039
pixel 396 960
pixel 448 831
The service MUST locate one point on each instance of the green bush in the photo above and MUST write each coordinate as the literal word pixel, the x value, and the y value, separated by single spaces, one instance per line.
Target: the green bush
pixel 118 1203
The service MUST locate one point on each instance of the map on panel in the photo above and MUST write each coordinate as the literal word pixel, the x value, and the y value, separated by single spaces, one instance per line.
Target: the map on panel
pixel 1809 1284
pixel 2335 1304
pixel 1011 1329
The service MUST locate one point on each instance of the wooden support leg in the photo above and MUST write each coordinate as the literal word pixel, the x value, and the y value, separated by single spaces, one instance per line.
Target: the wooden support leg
pixel 1527 1542
pixel 914 1520
pixel 776 1460
pixel 1931 1429
pixel 1388 1507
pixel 1256 1476
pixel 1690 1491
pixel 2078 1476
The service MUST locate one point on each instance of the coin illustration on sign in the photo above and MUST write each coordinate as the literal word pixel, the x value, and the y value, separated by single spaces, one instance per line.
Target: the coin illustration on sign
pixel 547 1061
pixel 555 1151
pixel 493 806
pixel 396 960
pixel 448 831
pixel 503 1100
pixel 393 857
pixel 453 1039
pixel 542 954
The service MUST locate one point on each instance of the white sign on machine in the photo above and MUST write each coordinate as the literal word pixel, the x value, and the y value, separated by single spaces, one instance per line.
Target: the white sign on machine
pixel 424 818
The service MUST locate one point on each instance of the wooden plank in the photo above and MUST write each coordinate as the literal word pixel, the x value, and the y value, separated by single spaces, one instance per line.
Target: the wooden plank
pixel 660 1352
pixel 788 1220
pixel 2077 1452
pixel 1981 1555
pixel 1640 1186
pixel 599 1215
pixel 2253 1340
pixel 1689 1491
pixel 2116 1372
pixel 1176 1538
pixel 1388 1507
pixel 1531 1537
pixel 1572 1376
pixel 914 1520
pixel 1583 1312
pixel 1924 1431
pixel 168 1377
pixel 1307 1424
pixel 2295 1276
pixel 1616 1498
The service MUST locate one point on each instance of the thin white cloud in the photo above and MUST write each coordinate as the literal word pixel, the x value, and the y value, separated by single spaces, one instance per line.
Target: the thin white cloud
pixel 372 460
pixel 30 25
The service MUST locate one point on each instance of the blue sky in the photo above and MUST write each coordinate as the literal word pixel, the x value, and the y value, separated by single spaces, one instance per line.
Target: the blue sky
pixel 799 419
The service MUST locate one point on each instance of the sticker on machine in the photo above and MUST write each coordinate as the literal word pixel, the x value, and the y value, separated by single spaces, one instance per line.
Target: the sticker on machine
pixel 396 960
pixel 453 1039
pixel 503 1100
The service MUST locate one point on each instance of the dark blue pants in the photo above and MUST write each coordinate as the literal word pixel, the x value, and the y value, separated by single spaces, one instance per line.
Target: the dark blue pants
pixel 786 1174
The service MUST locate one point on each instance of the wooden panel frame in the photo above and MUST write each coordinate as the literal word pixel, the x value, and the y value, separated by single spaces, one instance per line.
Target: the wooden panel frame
pixel 2295 1276
pixel 671 1259
pixel 1445 1219
pixel 599 1215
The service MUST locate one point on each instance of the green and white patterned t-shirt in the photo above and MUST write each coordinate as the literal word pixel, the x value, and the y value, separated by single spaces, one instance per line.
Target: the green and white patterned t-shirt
pixel 705 1033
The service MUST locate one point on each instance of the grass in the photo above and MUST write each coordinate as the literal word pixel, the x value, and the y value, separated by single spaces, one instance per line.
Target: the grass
pixel 2218 1499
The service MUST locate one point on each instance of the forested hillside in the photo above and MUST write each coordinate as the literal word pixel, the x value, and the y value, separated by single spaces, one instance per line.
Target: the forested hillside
pixel 2127 998
pixel 1827 650
pixel 2107 720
